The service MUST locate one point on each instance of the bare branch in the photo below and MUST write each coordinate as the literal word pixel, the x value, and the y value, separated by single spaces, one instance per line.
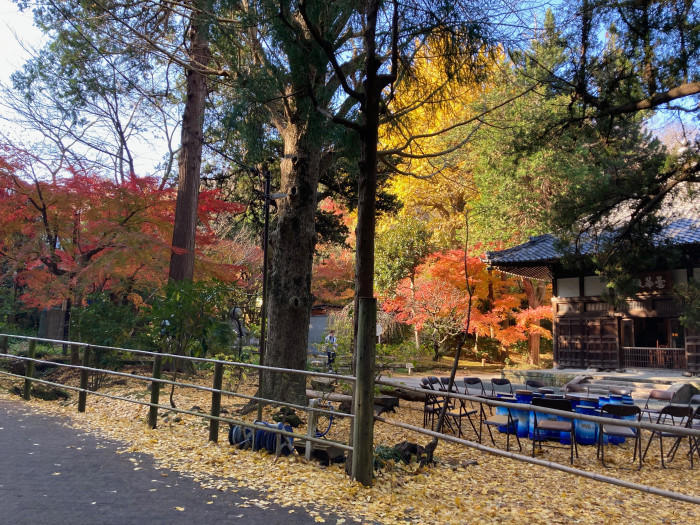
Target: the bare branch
pixel 397 151
pixel 330 53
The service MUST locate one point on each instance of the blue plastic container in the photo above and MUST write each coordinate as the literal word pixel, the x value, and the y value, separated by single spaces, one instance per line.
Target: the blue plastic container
pixel 615 400
pixel 542 434
pixel 523 416
pixel 565 437
pixel 503 411
pixel 586 432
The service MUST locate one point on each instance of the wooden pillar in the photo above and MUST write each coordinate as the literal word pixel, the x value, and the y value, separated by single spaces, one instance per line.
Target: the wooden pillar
pixel 82 395
pixel 363 431
pixel 311 427
pixel 216 402
pixel 74 354
pixel 155 392
pixel 29 370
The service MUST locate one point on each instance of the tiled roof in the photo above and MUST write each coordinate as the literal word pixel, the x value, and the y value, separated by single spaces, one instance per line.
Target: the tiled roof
pixel 685 230
pixel 543 249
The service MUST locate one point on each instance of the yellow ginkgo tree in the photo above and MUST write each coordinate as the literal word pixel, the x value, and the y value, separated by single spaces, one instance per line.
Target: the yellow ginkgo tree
pixel 433 119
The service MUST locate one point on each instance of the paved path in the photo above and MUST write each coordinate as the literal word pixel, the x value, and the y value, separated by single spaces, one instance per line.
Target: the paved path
pixel 53 474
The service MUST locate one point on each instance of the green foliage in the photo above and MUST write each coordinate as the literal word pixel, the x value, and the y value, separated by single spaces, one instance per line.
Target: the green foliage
pixel 190 317
pixel 384 453
pixel 234 376
pixel 400 247
pixel 403 352
pixel 690 295
pixel 544 167
pixel 106 322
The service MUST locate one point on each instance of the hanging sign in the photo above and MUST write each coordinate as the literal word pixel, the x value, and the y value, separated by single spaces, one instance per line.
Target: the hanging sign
pixel 655 282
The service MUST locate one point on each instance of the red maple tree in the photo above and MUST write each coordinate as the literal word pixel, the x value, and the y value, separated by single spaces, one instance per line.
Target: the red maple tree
pixel 438 304
pixel 69 233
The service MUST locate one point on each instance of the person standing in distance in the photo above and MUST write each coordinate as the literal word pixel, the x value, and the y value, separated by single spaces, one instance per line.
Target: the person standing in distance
pixel 331 346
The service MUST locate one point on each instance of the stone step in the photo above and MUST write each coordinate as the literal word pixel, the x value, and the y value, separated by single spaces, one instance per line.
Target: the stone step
pixel 633 379
pixel 634 386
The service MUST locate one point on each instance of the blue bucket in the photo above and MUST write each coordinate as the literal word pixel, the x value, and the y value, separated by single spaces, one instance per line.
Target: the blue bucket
pixel 503 411
pixel 523 416
pixel 565 437
pixel 586 432
pixel 542 434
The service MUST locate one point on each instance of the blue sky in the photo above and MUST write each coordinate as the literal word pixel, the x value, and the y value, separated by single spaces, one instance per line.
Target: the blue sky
pixel 18 37
pixel 17 33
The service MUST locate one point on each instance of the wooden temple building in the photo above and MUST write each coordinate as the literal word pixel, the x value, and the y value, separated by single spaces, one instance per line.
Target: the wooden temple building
pixel 588 332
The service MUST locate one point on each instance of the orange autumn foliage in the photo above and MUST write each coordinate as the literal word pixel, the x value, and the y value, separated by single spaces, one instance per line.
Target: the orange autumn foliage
pixel 439 301
pixel 333 278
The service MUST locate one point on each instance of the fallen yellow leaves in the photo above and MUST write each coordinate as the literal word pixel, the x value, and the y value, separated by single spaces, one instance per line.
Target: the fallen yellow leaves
pixel 455 490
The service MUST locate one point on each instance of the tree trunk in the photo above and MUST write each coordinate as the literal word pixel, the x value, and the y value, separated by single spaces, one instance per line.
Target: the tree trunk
pixel 292 245
pixel 182 256
pixel 416 332
pixel 534 291
pixel 66 326
pixel 366 204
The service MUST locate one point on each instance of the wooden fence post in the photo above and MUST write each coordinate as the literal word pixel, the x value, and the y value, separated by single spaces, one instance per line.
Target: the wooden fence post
pixel 311 427
pixel 363 431
pixel 29 370
pixel 4 344
pixel 74 354
pixel 155 392
pixel 216 402
pixel 82 395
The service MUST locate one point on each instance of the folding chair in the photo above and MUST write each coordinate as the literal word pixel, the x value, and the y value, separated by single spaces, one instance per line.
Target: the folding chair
pixel 694 423
pixel 456 408
pixel 618 429
pixel 680 416
pixel 499 420
pixel 431 403
pixel 501 386
pixel 656 395
pixel 434 402
pixel 459 412
pixel 547 425
pixel 473 386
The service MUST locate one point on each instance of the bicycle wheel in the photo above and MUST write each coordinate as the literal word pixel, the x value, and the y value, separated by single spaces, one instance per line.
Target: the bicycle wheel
pixel 324 421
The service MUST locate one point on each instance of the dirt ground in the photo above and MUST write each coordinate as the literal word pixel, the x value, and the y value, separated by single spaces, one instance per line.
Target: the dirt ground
pixel 464 485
